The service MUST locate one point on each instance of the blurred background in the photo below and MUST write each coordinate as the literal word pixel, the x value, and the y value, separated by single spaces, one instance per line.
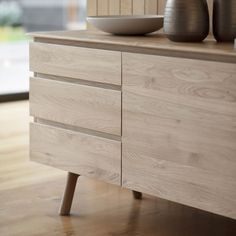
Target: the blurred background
pixel 17 17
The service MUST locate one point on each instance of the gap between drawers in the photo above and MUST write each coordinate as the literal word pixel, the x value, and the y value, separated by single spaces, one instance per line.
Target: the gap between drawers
pixel 78 81
pixel 77 129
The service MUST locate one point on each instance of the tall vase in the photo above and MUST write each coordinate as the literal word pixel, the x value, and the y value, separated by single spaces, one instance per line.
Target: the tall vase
pixel 186 20
pixel 224 20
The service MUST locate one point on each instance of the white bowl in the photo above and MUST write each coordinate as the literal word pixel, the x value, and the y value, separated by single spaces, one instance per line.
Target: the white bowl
pixel 127 25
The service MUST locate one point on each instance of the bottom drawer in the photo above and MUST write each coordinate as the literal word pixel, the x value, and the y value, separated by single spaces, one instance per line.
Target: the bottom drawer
pixel 76 152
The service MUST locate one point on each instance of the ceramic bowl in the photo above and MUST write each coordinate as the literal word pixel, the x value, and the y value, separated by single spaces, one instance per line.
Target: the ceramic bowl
pixel 127 25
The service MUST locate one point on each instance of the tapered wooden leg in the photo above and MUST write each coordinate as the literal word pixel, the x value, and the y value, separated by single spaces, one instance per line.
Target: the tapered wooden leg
pixel 68 194
pixel 137 195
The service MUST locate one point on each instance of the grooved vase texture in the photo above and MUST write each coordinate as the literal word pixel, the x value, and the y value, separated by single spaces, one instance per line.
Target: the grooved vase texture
pixel 224 20
pixel 186 21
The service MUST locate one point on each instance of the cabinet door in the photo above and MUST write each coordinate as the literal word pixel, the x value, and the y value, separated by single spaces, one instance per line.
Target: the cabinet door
pixel 179 130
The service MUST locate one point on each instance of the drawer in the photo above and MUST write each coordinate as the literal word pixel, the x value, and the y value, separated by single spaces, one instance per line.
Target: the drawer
pixel 77 105
pixel 76 152
pixel 75 62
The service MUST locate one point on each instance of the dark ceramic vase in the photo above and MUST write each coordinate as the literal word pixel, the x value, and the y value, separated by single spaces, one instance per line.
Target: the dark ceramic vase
pixel 224 20
pixel 186 20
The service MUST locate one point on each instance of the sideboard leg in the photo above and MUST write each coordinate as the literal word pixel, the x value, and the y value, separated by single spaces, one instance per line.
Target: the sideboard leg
pixel 68 194
pixel 137 195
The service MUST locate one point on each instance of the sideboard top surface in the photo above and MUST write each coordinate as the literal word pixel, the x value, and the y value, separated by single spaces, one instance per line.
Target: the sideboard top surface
pixel 156 44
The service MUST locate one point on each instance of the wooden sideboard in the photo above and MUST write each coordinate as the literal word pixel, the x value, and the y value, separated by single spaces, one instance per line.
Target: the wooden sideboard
pixel 144 113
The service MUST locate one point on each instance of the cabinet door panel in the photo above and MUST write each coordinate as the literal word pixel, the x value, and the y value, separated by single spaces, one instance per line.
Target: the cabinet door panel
pixel 179 130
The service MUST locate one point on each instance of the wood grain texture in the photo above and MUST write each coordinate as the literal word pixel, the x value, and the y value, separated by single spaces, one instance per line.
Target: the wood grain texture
pixel 179 119
pixel 123 7
pixel 76 152
pixel 114 7
pixel 151 7
pixel 16 171
pixel 78 105
pixel 148 7
pixel 103 7
pixel 75 62
pixel 126 7
pixel 155 44
pixel 30 194
pixel 138 7
pixel 92 8
pixel 68 195
pixel 161 6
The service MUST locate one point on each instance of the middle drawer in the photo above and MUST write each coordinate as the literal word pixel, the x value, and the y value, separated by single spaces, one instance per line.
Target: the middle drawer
pixel 78 105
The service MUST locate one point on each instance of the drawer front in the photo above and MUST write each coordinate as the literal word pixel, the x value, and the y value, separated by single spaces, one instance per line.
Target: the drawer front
pixel 77 105
pixel 179 130
pixel 76 152
pixel 75 62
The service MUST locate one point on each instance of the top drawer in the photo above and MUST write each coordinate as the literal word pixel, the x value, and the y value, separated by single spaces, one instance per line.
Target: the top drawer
pixel 75 62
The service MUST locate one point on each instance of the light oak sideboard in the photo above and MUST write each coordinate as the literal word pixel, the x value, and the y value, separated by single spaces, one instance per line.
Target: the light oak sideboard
pixel 143 113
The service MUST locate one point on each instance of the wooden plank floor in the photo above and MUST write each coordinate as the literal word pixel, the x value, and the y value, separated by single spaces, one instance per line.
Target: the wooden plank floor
pixel 30 195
